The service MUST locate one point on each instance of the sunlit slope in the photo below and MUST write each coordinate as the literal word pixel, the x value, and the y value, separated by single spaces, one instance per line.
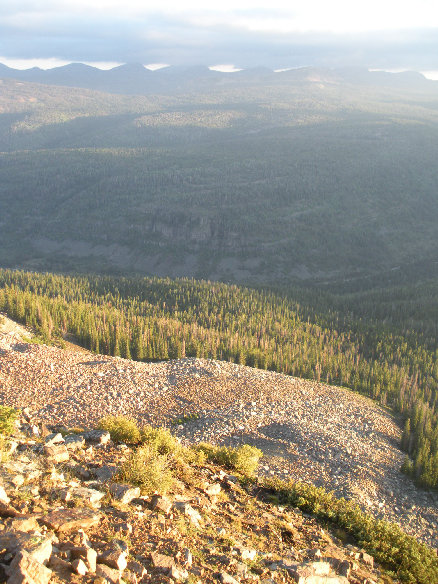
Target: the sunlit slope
pixel 155 319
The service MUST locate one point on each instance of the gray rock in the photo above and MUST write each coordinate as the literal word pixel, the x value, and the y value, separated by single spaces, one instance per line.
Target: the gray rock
pixel 52 439
pixel 96 436
pixel 160 503
pixel 213 489
pixel 114 558
pixel 57 453
pixel 74 442
pixel 367 559
pixel 187 509
pixel 111 575
pixel 188 558
pixel 226 578
pixel 65 520
pixel 24 524
pixel 124 493
pixel 246 553
pixel 344 568
pixel 162 561
pixel 178 573
pixel 80 567
pixel 90 496
pixel 105 473
pixel 38 547
pixel 137 568
pixel 87 554
pixel 4 496
pixel 314 573
pixel 8 511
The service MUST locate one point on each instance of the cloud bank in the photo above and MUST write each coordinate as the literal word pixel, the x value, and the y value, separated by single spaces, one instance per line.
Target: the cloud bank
pixel 376 34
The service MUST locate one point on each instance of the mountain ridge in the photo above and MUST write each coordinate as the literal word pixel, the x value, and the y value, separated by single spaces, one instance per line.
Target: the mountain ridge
pixel 134 78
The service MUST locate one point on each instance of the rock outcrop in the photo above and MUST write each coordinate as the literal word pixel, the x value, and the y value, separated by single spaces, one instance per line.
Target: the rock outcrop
pixel 57 526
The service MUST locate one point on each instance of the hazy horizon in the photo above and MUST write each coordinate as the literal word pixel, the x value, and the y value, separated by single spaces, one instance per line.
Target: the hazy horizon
pixel 238 34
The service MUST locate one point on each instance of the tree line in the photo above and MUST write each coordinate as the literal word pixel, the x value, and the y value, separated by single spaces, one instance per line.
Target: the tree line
pixel 150 319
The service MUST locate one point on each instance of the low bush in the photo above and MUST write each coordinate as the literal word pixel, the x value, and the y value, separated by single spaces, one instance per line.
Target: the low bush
pixel 121 429
pixel 160 440
pixel 149 470
pixel 244 459
pixel 408 559
pixel 8 417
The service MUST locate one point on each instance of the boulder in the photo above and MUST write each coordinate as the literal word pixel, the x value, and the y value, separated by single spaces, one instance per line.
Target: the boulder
pixel 160 503
pixel 57 453
pixel 96 437
pixel 71 519
pixel 24 569
pixel 123 493
pixel 39 547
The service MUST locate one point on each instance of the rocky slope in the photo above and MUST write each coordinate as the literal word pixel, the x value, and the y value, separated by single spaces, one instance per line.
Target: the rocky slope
pixel 64 519
pixel 308 431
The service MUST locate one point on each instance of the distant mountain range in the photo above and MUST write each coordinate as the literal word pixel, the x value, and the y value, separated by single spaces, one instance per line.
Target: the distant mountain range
pixel 134 78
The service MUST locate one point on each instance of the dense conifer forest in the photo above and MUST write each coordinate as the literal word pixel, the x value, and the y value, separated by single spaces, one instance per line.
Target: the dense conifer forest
pixel 393 362
pixel 315 176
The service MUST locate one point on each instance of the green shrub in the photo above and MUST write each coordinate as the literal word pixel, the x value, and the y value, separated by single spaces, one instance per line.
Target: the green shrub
pixel 160 440
pixel 121 429
pixel 8 417
pixel 185 418
pixel 410 560
pixel 244 459
pixel 149 470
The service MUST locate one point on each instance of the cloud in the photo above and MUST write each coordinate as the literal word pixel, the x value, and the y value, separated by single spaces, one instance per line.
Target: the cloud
pixel 246 33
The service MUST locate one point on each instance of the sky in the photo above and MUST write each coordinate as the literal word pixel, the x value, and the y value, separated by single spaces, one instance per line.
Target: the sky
pixel 392 35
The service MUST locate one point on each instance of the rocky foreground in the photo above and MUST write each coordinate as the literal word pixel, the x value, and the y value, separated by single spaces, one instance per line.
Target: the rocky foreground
pixel 64 518
pixel 308 431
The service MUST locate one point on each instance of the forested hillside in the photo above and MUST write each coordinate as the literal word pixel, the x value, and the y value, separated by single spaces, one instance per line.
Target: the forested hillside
pixel 152 319
pixel 316 178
